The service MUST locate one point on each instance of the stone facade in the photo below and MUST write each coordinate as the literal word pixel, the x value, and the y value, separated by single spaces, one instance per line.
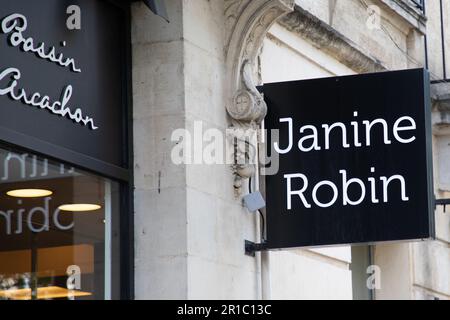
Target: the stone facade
pixel 190 223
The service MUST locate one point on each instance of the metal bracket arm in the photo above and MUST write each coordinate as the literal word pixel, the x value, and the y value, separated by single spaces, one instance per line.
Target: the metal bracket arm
pixel 442 202
pixel 251 248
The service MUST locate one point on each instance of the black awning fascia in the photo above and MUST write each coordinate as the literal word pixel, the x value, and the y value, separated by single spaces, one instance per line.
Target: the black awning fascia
pixel 158 7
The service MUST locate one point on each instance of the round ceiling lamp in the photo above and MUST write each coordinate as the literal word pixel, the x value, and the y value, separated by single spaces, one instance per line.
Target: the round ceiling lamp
pixel 29 193
pixel 79 207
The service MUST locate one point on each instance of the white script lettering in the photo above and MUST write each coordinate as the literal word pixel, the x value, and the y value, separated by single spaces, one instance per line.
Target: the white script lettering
pixel 41 101
pixel 18 23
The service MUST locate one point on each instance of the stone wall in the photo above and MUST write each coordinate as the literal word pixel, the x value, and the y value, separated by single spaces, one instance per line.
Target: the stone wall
pixel 434 38
pixel 189 227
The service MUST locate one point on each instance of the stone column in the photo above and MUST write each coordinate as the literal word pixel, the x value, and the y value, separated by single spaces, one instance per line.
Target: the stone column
pixel 160 192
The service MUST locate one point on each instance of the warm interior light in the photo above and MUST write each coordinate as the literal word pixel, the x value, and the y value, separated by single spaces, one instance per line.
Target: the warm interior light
pixel 29 193
pixel 79 207
pixel 42 293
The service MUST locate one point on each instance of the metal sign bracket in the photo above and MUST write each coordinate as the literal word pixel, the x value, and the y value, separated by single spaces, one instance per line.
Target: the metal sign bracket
pixel 251 248
pixel 442 202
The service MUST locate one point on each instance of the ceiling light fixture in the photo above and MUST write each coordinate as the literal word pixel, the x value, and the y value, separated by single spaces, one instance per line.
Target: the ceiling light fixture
pixel 79 207
pixel 29 193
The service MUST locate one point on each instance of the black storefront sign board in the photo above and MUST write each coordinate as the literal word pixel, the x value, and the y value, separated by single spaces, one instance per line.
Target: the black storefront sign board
pixel 334 186
pixel 77 54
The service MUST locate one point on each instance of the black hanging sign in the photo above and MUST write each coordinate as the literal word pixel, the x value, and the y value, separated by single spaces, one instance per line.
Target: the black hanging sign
pixel 354 160
pixel 63 80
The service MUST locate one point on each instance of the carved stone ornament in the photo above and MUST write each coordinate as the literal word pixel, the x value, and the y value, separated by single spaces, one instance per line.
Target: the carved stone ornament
pixel 247 23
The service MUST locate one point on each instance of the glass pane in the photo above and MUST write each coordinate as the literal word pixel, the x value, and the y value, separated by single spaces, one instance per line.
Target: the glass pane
pixel 361 260
pixel 55 230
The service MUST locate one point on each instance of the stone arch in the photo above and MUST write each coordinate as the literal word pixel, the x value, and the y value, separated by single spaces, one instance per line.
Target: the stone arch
pixel 247 23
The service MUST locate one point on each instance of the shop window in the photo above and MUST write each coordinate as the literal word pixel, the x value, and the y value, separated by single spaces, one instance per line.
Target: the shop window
pixel 58 230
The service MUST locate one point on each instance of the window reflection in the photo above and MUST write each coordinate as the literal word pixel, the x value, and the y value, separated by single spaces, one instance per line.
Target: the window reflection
pixel 53 244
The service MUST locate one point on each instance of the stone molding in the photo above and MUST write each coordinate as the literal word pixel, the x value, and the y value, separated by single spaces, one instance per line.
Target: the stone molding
pixel 247 23
pixel 411 15
pixel 330 41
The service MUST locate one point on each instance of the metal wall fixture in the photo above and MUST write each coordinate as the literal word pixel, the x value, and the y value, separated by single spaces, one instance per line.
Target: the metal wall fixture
pixel 442 202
